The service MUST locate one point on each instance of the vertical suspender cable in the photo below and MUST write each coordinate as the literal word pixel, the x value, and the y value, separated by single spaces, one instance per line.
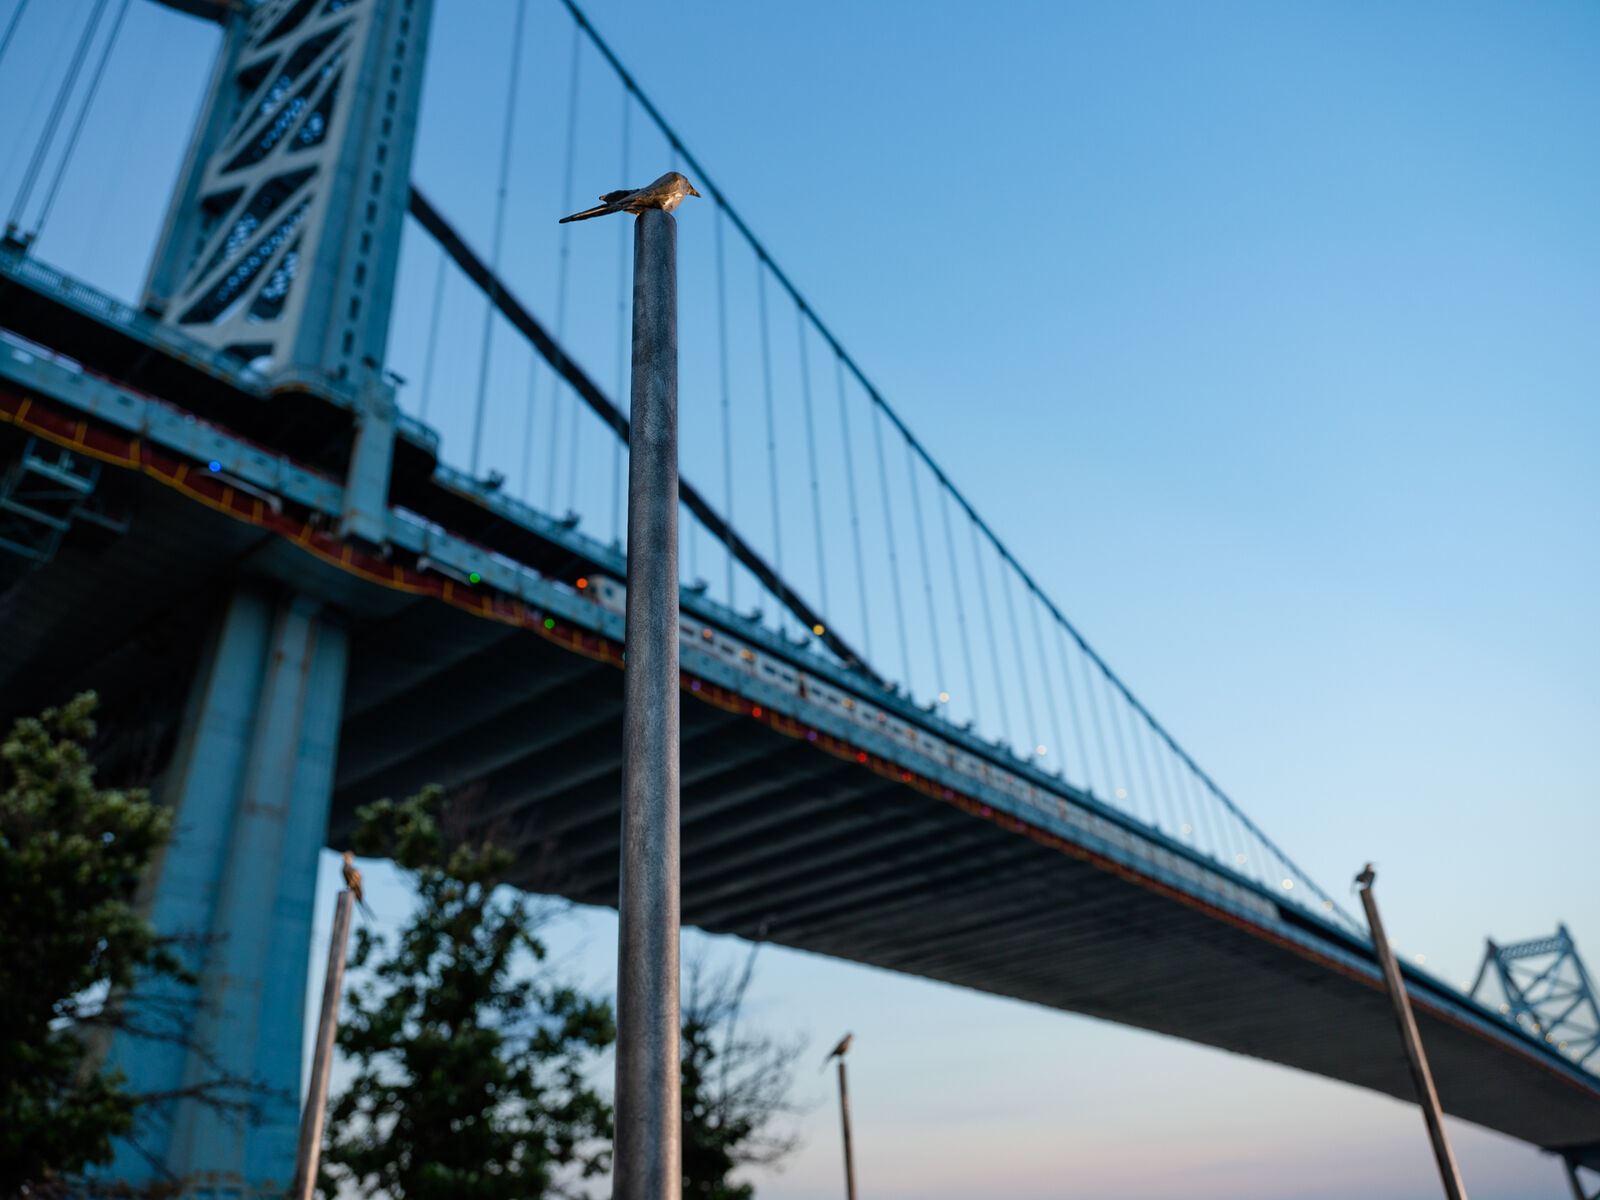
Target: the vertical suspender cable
pixel 961 611
pixel 77 124
pixel 623 296
pixel 1087 668
pixel 1164 778
pixel 811 455
pixel 1022 670
pixel 1049 692
pixel 561 282
pixel 941 684
pixel 11 27
pixel 894 557
pixel 433 333
pixel 1072 704
pixel 988 625
pixel 1122 744
pixel 42 148
pixel 727 411
pixel 855 511
pixel 1174 793
pixel 499 230
pixel 1136 731
pixel 772 429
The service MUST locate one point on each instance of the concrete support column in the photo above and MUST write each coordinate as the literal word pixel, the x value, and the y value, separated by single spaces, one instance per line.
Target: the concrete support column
pixel 251 779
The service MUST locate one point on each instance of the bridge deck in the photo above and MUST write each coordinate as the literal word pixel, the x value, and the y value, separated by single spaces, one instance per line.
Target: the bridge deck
pixel 841 845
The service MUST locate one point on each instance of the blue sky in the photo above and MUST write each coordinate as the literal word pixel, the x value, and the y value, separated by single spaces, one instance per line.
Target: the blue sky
pixel 1266 335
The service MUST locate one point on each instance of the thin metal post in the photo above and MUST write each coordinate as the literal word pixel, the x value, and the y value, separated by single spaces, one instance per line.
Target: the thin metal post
pixel 1578 1191
pixel 648 1149
pixel 844 1116
pixel 310 1152
pixel 1416 1059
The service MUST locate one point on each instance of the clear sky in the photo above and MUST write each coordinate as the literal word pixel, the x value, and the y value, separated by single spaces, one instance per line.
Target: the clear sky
pixel 1269 338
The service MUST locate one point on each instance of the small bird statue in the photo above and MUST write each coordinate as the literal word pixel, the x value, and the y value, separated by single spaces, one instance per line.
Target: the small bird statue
pixel 352 880
pixel 839 1050
pixel 665 193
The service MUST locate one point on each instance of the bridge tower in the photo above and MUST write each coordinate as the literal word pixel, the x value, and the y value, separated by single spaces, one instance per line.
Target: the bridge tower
pixel 280 247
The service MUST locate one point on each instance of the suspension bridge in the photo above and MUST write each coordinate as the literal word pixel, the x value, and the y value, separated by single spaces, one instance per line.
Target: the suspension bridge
pixel 308 563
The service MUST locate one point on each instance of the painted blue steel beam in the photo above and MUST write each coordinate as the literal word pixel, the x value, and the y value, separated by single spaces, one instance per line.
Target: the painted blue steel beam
pixel 251 781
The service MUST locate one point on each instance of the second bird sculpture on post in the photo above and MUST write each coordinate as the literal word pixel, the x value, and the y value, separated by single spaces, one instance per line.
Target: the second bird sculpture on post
pixel 665 193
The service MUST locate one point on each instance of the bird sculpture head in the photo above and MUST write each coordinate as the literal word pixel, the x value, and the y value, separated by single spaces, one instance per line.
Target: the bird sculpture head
pixel 679 177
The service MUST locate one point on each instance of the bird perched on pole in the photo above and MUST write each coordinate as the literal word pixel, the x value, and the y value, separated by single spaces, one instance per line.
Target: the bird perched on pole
pixel 839 1050
pixel 352 880
pixel 665 193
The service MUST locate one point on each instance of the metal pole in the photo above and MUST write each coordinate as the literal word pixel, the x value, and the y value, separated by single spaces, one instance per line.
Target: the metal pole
pixel 844 1116
pixel 1577 1184
pixel 647 1163
pixel 310 1152
pixel 1416 1059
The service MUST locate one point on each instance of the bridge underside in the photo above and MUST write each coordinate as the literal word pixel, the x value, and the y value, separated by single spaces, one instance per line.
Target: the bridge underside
pixel 831 856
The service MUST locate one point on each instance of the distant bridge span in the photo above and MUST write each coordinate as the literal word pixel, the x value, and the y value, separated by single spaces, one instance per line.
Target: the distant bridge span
pixel 839 839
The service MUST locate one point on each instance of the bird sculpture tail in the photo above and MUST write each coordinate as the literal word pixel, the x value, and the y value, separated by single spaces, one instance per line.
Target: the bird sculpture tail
pixel 598 210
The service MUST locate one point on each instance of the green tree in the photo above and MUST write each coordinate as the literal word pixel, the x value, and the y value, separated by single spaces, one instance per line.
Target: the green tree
pixel 72 945
pixel 472 1064
pixel 735 1087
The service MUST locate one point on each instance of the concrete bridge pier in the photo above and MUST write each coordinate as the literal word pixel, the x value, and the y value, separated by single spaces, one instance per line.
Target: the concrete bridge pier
pixel 251 778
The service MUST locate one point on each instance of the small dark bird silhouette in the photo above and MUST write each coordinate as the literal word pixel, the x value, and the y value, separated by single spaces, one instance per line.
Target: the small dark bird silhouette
pixel 839 1050
pixel 352 880
pixel 1366 877
pixel 665 193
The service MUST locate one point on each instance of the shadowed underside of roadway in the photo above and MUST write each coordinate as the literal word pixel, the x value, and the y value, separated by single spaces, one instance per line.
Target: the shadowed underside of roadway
pixel 831 856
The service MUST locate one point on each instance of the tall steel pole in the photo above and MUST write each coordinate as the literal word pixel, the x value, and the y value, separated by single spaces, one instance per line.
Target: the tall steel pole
pixel 844 1116
pixel 316 1110
pixel 647 1162
pixel 1416 1059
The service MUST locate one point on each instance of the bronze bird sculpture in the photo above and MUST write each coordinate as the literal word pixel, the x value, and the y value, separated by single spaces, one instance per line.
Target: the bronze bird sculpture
pixel 665 193
pixel 352 880
pixel 839 1050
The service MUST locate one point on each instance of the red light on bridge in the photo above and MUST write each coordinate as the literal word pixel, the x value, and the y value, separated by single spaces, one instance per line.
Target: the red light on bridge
pixel 582 583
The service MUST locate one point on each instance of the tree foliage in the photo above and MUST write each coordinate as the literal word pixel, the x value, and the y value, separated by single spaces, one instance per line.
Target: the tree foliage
pixel 735 1087
pixel 71 858
pixel 472 1063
